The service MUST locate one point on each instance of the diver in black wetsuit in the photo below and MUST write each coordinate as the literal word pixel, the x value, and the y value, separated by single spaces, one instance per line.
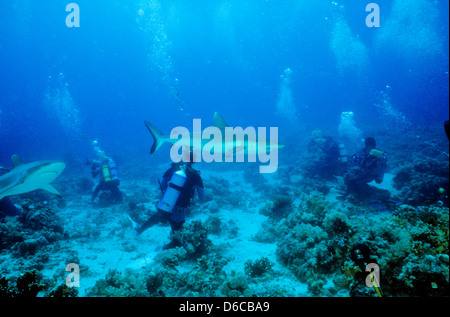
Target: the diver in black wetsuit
pixel 176 217
pixel 330 157
pixel 109 179
pixel 368 165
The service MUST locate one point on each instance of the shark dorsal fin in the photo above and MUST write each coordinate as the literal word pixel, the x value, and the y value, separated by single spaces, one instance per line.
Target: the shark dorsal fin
pixel 219 122
pixel 16 160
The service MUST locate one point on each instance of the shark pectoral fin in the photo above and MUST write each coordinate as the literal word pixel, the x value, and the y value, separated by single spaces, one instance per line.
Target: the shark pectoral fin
pixel 51 189
pixel 158 137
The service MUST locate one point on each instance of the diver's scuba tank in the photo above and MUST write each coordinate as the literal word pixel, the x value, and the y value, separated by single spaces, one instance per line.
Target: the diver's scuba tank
pixel 376 153
pixel 173 191
pixel 106 173
pixel 113 170
pixel 342 153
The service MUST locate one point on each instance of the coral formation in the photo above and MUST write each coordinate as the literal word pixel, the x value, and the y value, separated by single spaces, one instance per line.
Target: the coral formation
pixel 278 208
pixel 9 236
pixel 316 239
pixel 420 181
pixel 39 216
pixel 219 190
pixel 236 285
pixel 258 267
pixel 303 238
pixel 37 227
pixel 194 239
pixel 256 179
pixel 26 285
pixel 116 284
pixel 63 291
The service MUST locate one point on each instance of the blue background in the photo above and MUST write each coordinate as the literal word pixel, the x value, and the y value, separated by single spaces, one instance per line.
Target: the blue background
pixel 224 56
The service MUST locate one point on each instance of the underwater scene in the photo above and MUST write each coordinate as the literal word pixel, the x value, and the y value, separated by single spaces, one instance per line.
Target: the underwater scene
pixel 224 148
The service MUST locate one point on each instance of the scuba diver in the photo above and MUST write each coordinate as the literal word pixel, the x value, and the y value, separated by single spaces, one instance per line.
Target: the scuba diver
pixel 7 208
pixel 330 156
pixel 368 165
pixel 109 177
pixel 178 185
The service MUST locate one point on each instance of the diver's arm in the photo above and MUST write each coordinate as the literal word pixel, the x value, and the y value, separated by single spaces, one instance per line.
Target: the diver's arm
pixel 164 180
pixel 163 183
pixel 95 169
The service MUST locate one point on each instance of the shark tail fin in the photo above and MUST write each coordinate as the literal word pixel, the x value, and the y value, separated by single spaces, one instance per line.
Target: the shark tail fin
pixel 158 137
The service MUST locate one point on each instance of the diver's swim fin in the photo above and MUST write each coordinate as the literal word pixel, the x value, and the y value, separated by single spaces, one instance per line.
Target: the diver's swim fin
pixel 134 225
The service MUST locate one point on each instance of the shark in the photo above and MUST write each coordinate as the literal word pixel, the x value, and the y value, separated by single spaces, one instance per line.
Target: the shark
pixel 160 138
pixel 24 178
pixel 225 138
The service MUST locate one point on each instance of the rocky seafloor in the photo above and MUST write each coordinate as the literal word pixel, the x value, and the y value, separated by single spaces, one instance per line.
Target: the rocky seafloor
pixel 254 235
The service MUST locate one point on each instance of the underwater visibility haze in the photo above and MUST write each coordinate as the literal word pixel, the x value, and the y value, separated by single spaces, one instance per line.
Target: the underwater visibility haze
pixel 361 154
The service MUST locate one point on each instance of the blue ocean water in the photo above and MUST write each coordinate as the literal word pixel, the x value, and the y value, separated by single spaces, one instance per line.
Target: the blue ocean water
pixel 119 67
pixel 298 65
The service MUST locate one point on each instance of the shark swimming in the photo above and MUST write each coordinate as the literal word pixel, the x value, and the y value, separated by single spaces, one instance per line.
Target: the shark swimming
pixel 24 178
pixel 221 139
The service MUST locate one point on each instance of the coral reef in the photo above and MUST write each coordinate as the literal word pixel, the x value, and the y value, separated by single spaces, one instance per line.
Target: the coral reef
pixel 419 182
pixel 303 238
pixel 194 239
pixel 236 285
pixel 116 284
pixel 412 250
pixel 39 216
pixel 410 246
pixel 154 283
pixel 256 179
pixel 313 241
pixel 278 208
pixel 9 235
pixel 26 285
pixel 171 258
pixel 205 278
pixel 219 190
pixel 258 267
pixel 63 291
pixel 37 227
